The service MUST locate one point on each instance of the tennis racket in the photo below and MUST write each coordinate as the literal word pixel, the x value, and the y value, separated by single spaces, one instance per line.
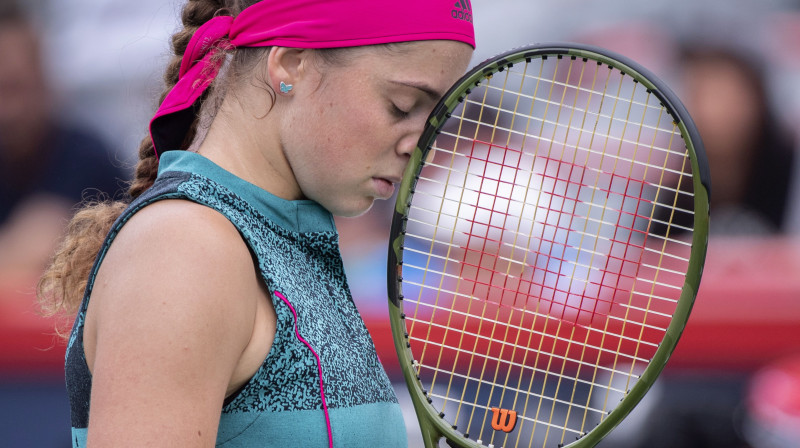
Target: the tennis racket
pixel 547 245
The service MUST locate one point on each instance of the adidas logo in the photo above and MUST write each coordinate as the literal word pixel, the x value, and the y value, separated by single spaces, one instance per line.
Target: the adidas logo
pixel 462 10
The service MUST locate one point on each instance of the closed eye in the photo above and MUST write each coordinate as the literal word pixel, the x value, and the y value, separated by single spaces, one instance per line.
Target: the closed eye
pixel 398 112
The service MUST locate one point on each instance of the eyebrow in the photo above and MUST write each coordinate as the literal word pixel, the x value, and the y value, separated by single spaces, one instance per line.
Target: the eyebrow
pixel 428 90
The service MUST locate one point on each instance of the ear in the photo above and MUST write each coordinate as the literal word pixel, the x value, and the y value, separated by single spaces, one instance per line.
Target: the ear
pixel 288 65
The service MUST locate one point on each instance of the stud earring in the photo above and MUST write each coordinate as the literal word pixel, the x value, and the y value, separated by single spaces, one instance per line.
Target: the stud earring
pixel 285 88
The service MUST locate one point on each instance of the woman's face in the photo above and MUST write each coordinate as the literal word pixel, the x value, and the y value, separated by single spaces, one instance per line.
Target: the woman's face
pixel 349 129
pixel 725 106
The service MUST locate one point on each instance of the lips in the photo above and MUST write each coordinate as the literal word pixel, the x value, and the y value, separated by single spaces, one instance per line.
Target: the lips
pixel 384 186
pixel 392 179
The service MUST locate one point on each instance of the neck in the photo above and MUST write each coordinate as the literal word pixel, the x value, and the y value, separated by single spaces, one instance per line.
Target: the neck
pixel 245 141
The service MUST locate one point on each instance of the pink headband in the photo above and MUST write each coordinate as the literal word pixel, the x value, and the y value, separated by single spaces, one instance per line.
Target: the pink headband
pixel 302 24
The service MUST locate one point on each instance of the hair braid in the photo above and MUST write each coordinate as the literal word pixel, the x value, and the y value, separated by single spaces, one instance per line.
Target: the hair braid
pixel 62 286
pixel 195 13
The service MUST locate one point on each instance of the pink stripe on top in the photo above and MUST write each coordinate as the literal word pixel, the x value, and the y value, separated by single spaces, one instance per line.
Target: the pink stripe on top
pixel 319 368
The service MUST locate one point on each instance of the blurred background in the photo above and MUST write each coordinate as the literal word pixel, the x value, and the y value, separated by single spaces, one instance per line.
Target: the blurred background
pixel 78 84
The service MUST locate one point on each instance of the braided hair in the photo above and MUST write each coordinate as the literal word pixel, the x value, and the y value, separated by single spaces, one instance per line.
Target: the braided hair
pixel 61 287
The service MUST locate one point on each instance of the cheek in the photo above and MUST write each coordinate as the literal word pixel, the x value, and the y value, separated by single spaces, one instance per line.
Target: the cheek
pixel 354 132
pixel 356 113
pixel 337 136
pixel 323 150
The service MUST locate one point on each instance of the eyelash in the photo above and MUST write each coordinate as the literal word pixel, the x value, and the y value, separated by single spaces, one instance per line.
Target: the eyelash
pixel 400 113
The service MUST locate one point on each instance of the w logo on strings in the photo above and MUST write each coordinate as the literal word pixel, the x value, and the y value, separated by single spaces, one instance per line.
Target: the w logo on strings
pixel 504 420
pixel 462 10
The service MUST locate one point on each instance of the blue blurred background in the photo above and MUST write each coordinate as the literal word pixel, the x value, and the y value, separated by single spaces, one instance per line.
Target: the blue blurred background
pixel 735 378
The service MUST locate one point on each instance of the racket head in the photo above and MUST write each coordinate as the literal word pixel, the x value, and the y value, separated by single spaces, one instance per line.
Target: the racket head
pixel 597 326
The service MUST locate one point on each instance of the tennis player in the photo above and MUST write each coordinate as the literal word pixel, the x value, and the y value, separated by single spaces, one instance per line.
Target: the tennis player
pixel 216 310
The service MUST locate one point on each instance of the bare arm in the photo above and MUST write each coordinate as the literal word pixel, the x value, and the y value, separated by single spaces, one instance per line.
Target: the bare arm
pixel 171 313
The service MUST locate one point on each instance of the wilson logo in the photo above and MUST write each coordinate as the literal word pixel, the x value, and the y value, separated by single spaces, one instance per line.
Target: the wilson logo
pixel 504 420
pixel 463 10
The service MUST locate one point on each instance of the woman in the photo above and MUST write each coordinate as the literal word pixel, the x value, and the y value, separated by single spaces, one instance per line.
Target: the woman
pixel 750 152
pixel 217 309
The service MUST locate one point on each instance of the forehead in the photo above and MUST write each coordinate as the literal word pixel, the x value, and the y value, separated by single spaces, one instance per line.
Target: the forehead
pixel 430 50
pixel 437 62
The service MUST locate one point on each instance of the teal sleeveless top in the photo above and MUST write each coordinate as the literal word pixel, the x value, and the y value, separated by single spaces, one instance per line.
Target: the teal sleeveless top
pixel 322 378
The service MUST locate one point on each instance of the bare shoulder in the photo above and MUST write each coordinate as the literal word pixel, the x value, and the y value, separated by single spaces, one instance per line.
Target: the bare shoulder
pixel 179 250
pixel 171 312
pixel 181 225
pixel 182 258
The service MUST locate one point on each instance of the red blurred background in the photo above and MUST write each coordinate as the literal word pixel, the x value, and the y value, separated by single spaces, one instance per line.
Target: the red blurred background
pixel 733 375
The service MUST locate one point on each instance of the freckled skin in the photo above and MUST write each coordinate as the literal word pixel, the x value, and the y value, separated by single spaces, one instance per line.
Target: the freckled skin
pixel 364 140
pixel 338 131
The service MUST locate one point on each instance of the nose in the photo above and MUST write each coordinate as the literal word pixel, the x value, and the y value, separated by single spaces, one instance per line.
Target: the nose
pixel 407 144
pixel 410 138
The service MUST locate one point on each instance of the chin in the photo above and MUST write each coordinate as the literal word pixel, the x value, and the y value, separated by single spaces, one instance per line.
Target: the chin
pixel 352 210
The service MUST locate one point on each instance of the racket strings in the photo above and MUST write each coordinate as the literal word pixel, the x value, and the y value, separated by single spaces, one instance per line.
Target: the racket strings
pixel 578 88
pixel 525 253
pixel 572 333
pixel 658 268
pixel 668 152
pixel 658 271
pixel 594 252
pixel 548 303
pixel 551 142
pixel 507 245
pixel 543 120
pixel 508 363
pixel 472 358
pixel 433 381
pixel 493 271
pixel 516 234
pixel 638 344
pixel 608 190
pixel 542 315
pixel 507 276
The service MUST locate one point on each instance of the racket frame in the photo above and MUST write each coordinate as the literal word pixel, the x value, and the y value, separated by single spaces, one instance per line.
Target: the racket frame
pixel 432 423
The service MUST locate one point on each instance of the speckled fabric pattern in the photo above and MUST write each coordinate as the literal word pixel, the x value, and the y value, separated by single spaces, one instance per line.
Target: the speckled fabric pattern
pixel 307 270
pixel 296 249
